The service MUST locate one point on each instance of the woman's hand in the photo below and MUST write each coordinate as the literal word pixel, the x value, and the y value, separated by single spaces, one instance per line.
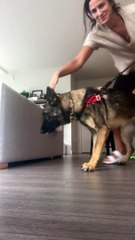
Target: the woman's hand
pixel 54 80
pixel 72 66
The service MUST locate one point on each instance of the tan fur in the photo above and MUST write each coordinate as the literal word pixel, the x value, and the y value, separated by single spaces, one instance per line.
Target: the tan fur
pixel 114 110
pixel 113 121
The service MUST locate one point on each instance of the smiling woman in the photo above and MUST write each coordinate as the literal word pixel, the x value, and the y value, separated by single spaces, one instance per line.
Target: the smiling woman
pixel 101 11
pixel 90 11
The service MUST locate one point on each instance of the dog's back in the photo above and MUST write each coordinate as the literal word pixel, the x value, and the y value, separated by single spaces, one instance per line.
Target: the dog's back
pixel 113 109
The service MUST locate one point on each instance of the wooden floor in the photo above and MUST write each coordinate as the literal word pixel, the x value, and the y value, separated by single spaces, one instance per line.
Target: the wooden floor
pixel 55 200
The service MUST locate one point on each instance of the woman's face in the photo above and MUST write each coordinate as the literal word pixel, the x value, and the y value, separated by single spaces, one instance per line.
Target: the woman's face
pixel 101 11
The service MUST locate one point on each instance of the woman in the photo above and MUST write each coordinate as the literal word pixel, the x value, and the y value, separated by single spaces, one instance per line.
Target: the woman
pixel 113 28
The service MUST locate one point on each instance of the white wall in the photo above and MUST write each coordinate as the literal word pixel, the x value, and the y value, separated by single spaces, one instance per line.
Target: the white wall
pixel 92 82
pixel 6 78
pixel 38 79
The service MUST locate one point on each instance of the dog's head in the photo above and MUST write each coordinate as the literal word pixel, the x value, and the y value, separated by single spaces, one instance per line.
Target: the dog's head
pixel 53 115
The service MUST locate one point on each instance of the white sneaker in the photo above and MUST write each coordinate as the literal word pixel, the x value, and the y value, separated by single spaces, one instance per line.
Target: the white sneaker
pixel 115 157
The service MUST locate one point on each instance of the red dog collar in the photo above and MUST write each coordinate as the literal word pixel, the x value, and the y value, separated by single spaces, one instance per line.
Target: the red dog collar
pixel 93 99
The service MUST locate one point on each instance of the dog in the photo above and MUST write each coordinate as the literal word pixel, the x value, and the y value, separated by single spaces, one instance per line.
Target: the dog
pixel 99 110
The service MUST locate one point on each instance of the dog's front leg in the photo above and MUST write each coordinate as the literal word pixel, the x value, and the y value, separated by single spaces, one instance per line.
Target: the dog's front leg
pixel 102 135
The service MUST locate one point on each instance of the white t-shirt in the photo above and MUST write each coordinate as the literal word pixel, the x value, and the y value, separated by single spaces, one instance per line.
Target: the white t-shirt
pixel 123 53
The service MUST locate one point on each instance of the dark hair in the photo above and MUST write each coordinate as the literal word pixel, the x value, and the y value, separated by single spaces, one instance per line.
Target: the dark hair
pixel 87 13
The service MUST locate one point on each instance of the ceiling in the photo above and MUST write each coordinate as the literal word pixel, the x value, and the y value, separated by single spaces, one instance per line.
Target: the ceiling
pixel 46 34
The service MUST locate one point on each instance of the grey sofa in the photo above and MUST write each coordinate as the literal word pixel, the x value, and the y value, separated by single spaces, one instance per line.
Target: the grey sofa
pixel 20 137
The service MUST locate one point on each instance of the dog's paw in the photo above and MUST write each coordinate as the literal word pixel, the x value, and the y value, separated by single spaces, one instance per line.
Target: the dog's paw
pixel 87 167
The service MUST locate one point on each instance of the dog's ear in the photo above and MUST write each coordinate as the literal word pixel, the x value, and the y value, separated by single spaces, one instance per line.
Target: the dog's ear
pixel 49 92
pixel 51 96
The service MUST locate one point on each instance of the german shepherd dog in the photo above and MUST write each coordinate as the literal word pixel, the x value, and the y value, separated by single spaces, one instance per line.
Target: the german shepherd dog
pixel 100 111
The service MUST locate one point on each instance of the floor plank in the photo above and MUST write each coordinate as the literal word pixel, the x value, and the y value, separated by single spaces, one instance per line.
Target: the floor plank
pixel 53 199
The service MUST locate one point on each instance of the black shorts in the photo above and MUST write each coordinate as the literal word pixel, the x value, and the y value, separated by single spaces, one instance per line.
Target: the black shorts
pixel 125 82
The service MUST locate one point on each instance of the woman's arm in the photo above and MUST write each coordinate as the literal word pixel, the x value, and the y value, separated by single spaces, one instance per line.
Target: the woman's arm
pixel 72 66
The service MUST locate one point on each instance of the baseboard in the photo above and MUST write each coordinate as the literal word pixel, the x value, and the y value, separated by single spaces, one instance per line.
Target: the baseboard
pixel 3 165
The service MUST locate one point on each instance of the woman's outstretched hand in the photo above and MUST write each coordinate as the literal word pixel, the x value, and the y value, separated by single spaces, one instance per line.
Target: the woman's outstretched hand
pixel 54 80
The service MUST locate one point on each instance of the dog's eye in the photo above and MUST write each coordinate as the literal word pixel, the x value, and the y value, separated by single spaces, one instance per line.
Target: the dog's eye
pixel 54 102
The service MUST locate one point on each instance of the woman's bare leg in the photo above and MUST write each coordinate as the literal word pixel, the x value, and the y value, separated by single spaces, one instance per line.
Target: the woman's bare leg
pixel 120 146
